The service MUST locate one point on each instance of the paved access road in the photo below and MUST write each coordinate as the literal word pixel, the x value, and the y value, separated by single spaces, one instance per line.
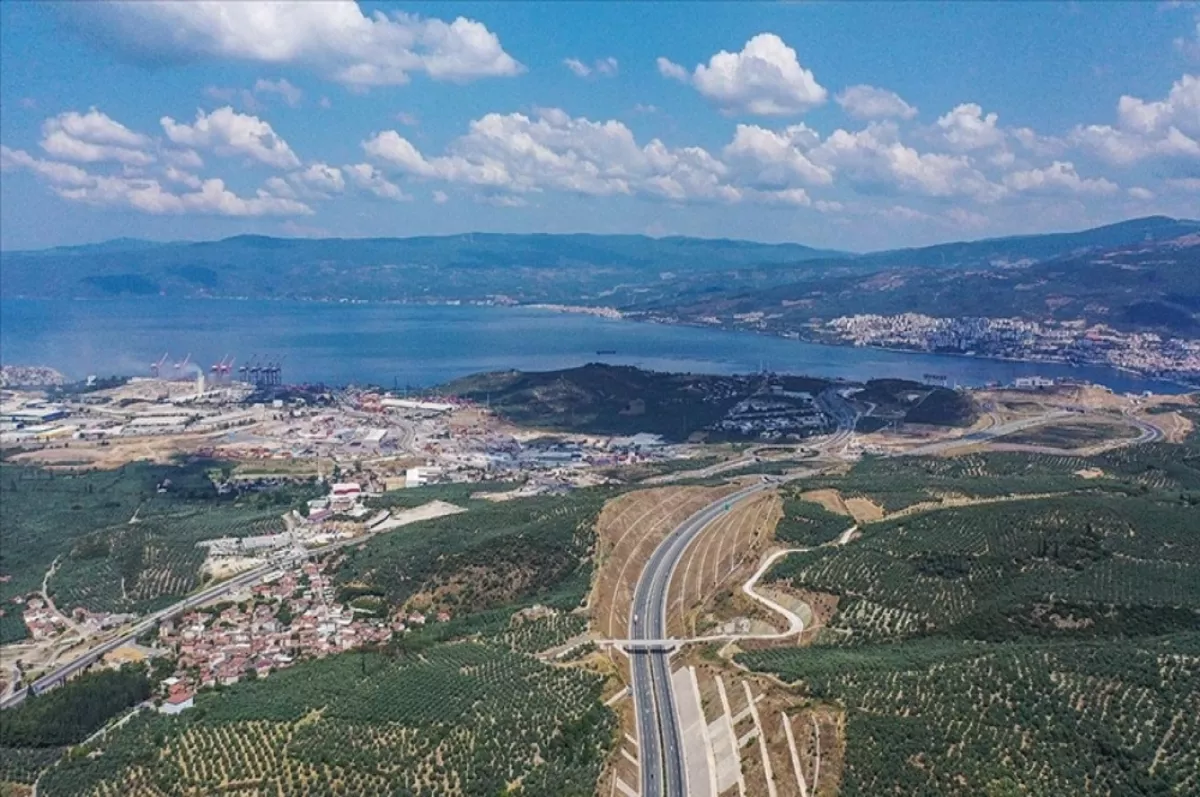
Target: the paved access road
pixel 660 747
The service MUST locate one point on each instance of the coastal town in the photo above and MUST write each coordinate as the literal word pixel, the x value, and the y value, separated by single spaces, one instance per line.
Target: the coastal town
pixel 1073 342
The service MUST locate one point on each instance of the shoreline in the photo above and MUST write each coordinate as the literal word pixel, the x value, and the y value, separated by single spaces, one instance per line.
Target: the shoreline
pixel 923 352
pixel 612 314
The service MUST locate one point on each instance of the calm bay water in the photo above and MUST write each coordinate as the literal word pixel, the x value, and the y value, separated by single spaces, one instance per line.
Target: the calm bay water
pixel 390 344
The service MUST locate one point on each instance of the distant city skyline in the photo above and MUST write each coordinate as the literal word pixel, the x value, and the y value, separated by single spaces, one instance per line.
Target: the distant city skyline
pixel 853 126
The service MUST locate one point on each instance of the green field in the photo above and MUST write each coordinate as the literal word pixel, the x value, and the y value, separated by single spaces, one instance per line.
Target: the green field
pixel 1032 646
pixel 937 716
pixel 808 523
pixel 1070 435
pixel 495 555
pixel 107 562
pixel 897 482
pixel 460 717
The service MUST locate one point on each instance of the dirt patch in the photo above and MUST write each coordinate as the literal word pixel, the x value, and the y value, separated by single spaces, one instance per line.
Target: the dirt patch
pixel 864 510
pixel 1175 427
pixel 219 568
pixel 1089 473
pixel 829 499
pixel 720 559
pixel 433 509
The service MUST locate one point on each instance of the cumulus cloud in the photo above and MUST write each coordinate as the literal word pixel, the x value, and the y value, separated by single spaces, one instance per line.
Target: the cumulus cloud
pixel 515 154
pixel 777 158
pixel 229 133
pixel 869 102
pixel 322 177
pixel 61 174
pixel 1167 128
pixel 1141 194
pixel 147 195
pixel 367 178
pixel 333 38
pixel 1180 109
pixel 1059 177
pixel 603 67
pixel 764 79
pixel 875 158
pixel 93 137
pixel 966 128
pixel 317 181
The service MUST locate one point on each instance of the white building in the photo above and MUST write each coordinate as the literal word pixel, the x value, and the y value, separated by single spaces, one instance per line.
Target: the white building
pixel 178 703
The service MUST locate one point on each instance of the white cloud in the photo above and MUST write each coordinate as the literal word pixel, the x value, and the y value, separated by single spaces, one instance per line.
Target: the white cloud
pixel 669 69
pixel 1167 128
pixel 1043 146
pixel 183 158
pixel 875 158
pixel 969 219
pixel 286 91
pixel 607 66
pixel 603 67
pixel 1122 148
pixel 367 178
pixel 321 177
pixel 764 79
pixel 93 137
pixel 517 154
pixel 1059 177
pixel 502 200
pixel 777 158
pixel 229 133
pixel 225 94
pixel 1141 194
pixel 578 67
pixel 334 38
pixel 904 213
pixel 966 128
pixel 440 197
pixel 868 102
pixel 1180 109
pixel 407 119
pixel 52 171
pixel 183 178
pixel 147 195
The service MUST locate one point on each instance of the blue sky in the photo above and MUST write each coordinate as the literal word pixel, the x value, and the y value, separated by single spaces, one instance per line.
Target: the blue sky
pixel 856 125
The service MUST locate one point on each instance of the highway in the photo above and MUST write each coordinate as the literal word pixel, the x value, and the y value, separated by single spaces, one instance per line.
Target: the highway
pixel 660 748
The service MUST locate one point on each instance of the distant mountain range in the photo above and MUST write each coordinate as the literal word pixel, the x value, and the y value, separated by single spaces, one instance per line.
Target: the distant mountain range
pixel 1034 274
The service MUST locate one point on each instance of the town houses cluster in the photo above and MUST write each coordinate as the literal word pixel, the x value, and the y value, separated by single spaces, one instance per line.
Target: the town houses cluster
pixel 1075 342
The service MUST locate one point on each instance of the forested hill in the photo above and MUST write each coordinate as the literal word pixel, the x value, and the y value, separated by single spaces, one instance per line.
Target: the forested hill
pixel 1145 286
pixel 627 271
pixel 531 267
